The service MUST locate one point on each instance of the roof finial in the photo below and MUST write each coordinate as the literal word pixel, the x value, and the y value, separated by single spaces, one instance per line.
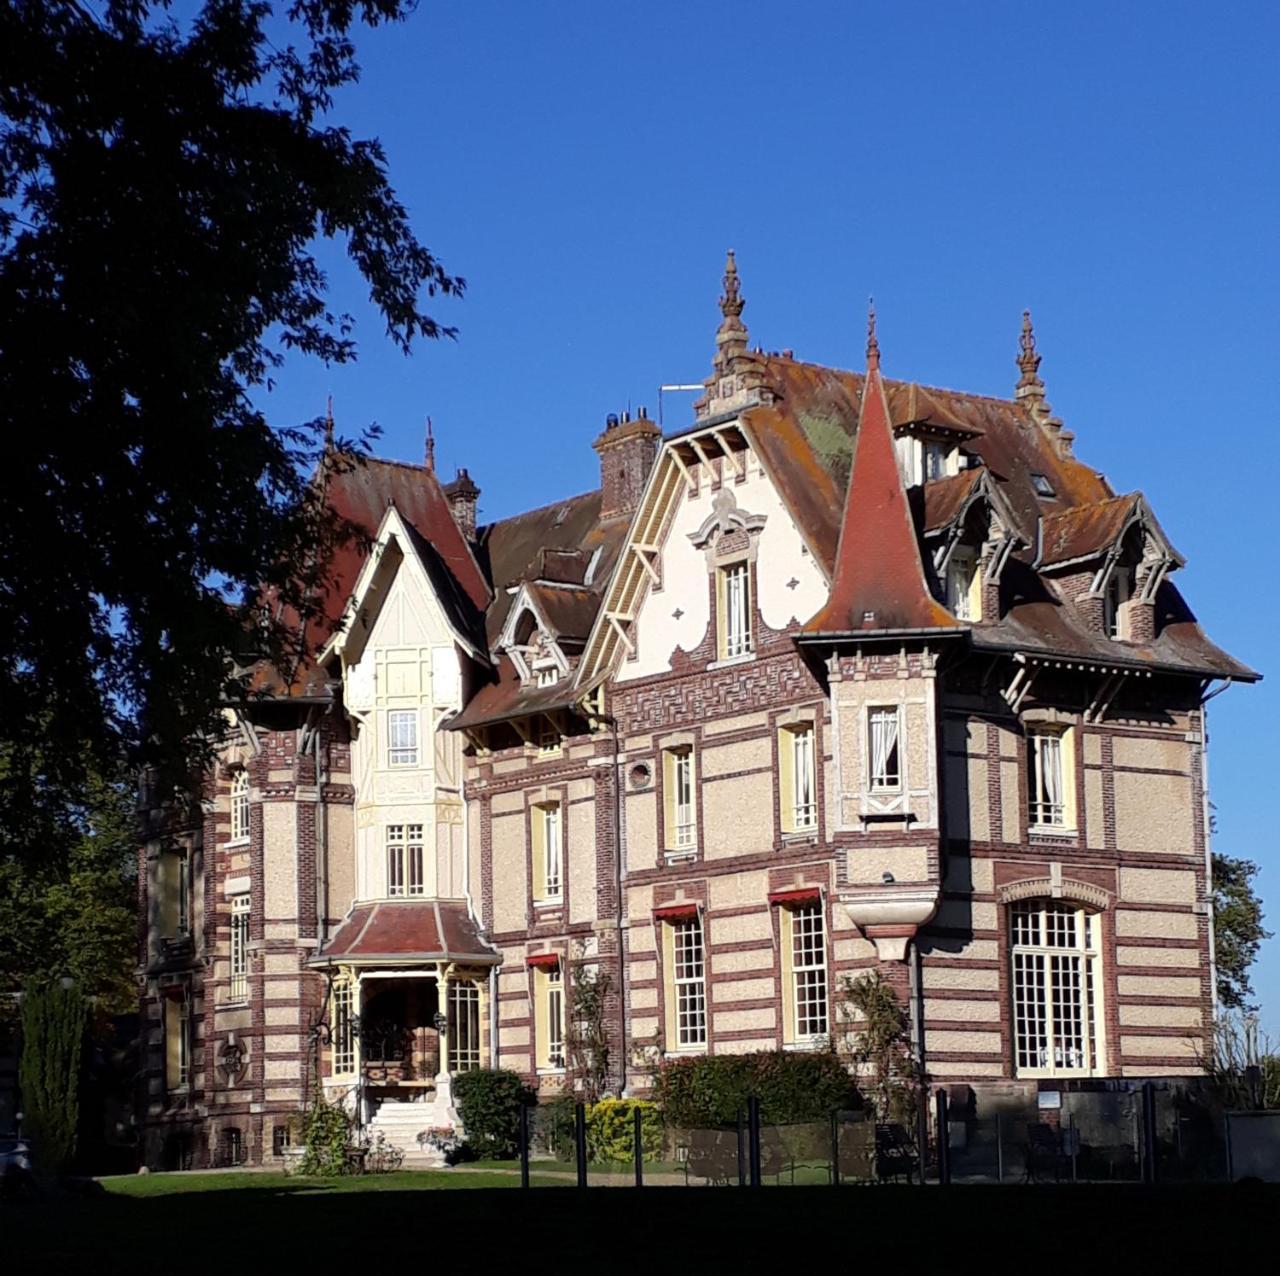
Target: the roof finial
pixel 731 338
pixel 873 345
pixel 1029 384
pixel 328 425
pixel 431 448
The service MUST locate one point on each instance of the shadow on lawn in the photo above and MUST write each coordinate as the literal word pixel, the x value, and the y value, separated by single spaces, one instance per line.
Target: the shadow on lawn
pixel 304 1223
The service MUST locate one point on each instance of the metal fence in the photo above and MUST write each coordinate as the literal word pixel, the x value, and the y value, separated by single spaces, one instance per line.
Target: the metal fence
pixel 1123 1135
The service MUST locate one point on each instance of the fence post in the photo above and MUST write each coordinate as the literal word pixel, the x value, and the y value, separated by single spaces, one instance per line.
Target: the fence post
pixel 999 1148
pixel 524 1145
pixel 742 1149
pixel 835 1148
pixel 922 1133
pixel 1149 1132
pixel 944 1138
pixel 638 1138
pixel 753 1132
pixel 580 1141
pixel 1073 1142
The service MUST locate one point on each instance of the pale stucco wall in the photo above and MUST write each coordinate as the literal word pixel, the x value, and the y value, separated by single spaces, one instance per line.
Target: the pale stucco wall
pixel 510 873
pixel 737 816
pixel 580 852
pixel 279 861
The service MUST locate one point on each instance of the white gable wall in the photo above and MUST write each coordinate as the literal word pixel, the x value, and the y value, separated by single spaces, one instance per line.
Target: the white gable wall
pixel 783 557
pixel 409 662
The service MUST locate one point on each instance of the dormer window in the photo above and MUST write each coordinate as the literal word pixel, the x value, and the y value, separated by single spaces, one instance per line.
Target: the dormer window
pixel 935 461
pixel 547 675
pixel 1115 611
pixel 964 586
pixel 1042 486
pixel 924 458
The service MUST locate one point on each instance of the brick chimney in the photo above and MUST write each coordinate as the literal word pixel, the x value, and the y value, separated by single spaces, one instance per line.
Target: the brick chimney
pixel 462 495
pixel 627 451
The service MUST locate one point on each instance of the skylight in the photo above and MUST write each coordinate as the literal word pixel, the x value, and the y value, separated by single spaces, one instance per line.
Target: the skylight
pixel 1042 485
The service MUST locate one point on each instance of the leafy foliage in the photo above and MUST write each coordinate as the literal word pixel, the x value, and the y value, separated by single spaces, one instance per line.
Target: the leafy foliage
pixel 70 910
pixel 586 1032
pixel 49 1069
pixel 326 1135
pixel 611 1131
pixel 489 1102
pixel 1237 929
pixel 877 1038
pixel 1242 1066
pixel 791 1087
pixel 165 176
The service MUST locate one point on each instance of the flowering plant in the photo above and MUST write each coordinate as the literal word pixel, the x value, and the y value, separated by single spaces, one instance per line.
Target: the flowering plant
pixel 441 1138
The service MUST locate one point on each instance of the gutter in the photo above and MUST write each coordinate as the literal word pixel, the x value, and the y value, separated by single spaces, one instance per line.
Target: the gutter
pixel 1208 844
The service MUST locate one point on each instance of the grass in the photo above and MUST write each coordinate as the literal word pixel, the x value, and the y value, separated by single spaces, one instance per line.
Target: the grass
pixel 266 1222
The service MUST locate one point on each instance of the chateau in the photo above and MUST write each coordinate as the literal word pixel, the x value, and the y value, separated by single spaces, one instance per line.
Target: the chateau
pixel 847 674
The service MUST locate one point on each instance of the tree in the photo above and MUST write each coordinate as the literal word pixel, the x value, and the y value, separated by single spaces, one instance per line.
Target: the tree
pixel 1237 929
pixel 163 184
pixel 586 1031
pixel 876 1037
pixel 53 1020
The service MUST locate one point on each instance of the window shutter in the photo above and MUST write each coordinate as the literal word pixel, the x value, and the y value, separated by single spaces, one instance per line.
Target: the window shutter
pixel 1069 778
pixel 787 779
pixel 541 1035
pixel 668 799
pixel 537 829
pixel 785 944
pixel 669 983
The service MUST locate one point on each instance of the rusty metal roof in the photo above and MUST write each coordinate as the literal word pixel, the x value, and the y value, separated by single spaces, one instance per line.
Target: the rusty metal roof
pixel 1084 531
pixel 403 930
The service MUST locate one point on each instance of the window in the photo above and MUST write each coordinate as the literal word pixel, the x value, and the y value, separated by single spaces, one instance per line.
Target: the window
pixel 548 989
pixel 735 611
pixel 1042 485
pixel 798 779
pixel 548 737
pixel 177 1041
pixel 464 1025
pixel 886 768
pixel 1051 778
pixel 405 860
pixel 687 991
pixel 964 587
pixel 1056 988
pixel 341 1024
pixel 184 894
pixel 548 853
pixel 239 806
pixel 547 675
pixel 682 829
pixel 281 1139
pixel 935 460
pixel 1115 615
pixel 239 987
pixel 804 958
pixel 402 736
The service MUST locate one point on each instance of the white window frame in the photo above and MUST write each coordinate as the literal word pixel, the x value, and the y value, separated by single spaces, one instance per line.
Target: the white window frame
pixel 342 1017
pixel 240 806
pixel 1056 986
pixel 884 748
pixel 184 1044
pixel 552 850
pixel 735 597
pixel 553 991
pixel 685 834
pixel 932 451
pixel 1115 599
pixel 184 893
pixel 688 983
pixel 1047 779
pixel 238 976
pixel 547 736
pixel 406 861
pixel 810 1017
pixel 402 738
pixel 804 778
pixel 546 675
pixel 463 1002
pixel 961 571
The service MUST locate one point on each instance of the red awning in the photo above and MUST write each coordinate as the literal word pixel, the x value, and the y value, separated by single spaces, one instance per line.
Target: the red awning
pixel 801 895
pixel 543 961
pixel 676 912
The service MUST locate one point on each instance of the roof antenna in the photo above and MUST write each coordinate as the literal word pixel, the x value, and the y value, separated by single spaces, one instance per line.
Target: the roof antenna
pixel 873 345
pixel 328 425
pixel 431 448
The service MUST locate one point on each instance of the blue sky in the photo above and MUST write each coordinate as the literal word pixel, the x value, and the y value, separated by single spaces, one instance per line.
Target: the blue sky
pixel 1111 166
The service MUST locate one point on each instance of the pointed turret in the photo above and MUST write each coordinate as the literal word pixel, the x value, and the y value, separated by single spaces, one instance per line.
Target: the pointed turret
pixel 430 450
pixel 731 337
pixel 879 579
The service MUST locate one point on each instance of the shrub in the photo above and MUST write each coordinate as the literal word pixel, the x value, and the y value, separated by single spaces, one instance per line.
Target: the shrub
pixel 555 1126
pixel 709 1090
pixel 611 1130
pixel 489 1102
pixel 326 1131
pixel 53 1022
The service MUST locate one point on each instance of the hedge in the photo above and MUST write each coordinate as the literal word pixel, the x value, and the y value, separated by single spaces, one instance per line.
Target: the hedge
pixel 611 1130
pixel 791 1086
pixel 489 1102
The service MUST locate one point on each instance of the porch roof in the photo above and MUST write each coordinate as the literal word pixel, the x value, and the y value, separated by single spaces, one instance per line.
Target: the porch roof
pixel 400 930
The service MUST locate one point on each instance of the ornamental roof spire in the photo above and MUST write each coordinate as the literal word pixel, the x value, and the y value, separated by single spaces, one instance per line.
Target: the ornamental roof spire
pixel 430 457
pixel 328 425
pixel 1030 387
pixel 879 584
pixel 731 337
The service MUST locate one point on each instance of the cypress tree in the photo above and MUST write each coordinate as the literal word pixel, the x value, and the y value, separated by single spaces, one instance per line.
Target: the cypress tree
pixel 53 1023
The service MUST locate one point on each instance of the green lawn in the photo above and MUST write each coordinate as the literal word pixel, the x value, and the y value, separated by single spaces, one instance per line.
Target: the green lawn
pixel 265 1222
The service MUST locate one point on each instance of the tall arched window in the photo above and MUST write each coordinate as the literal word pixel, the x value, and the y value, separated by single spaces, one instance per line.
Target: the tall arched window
pixel 239 805
pixel 1057 988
